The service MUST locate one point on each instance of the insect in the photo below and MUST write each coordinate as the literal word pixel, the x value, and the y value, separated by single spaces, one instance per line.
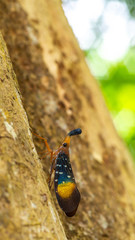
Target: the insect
pixel 65 186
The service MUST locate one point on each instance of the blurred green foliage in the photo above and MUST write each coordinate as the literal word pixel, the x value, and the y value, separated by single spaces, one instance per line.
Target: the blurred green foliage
pixel 117 82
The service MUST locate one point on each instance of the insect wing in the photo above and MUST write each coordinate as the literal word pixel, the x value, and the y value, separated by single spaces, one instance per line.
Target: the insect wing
pixel 66 190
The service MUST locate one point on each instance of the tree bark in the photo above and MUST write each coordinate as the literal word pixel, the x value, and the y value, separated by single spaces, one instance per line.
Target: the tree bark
pixel 59 94
pixel 26 206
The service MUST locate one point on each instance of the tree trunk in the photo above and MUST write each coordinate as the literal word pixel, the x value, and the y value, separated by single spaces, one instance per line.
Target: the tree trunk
pixel 58 94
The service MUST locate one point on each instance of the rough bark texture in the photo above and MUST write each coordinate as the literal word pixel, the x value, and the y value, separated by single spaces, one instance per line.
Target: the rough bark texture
pixel 59 94
pixel 26 208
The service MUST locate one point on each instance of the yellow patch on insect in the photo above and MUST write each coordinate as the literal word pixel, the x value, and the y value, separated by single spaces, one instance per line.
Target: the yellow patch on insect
pixel 65 189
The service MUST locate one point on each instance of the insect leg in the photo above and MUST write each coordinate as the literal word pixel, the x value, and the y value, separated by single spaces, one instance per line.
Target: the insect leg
pixel 50 151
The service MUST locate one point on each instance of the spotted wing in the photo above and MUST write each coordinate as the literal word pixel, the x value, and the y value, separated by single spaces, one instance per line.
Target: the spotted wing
pixel 63 170
pixel 66 190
